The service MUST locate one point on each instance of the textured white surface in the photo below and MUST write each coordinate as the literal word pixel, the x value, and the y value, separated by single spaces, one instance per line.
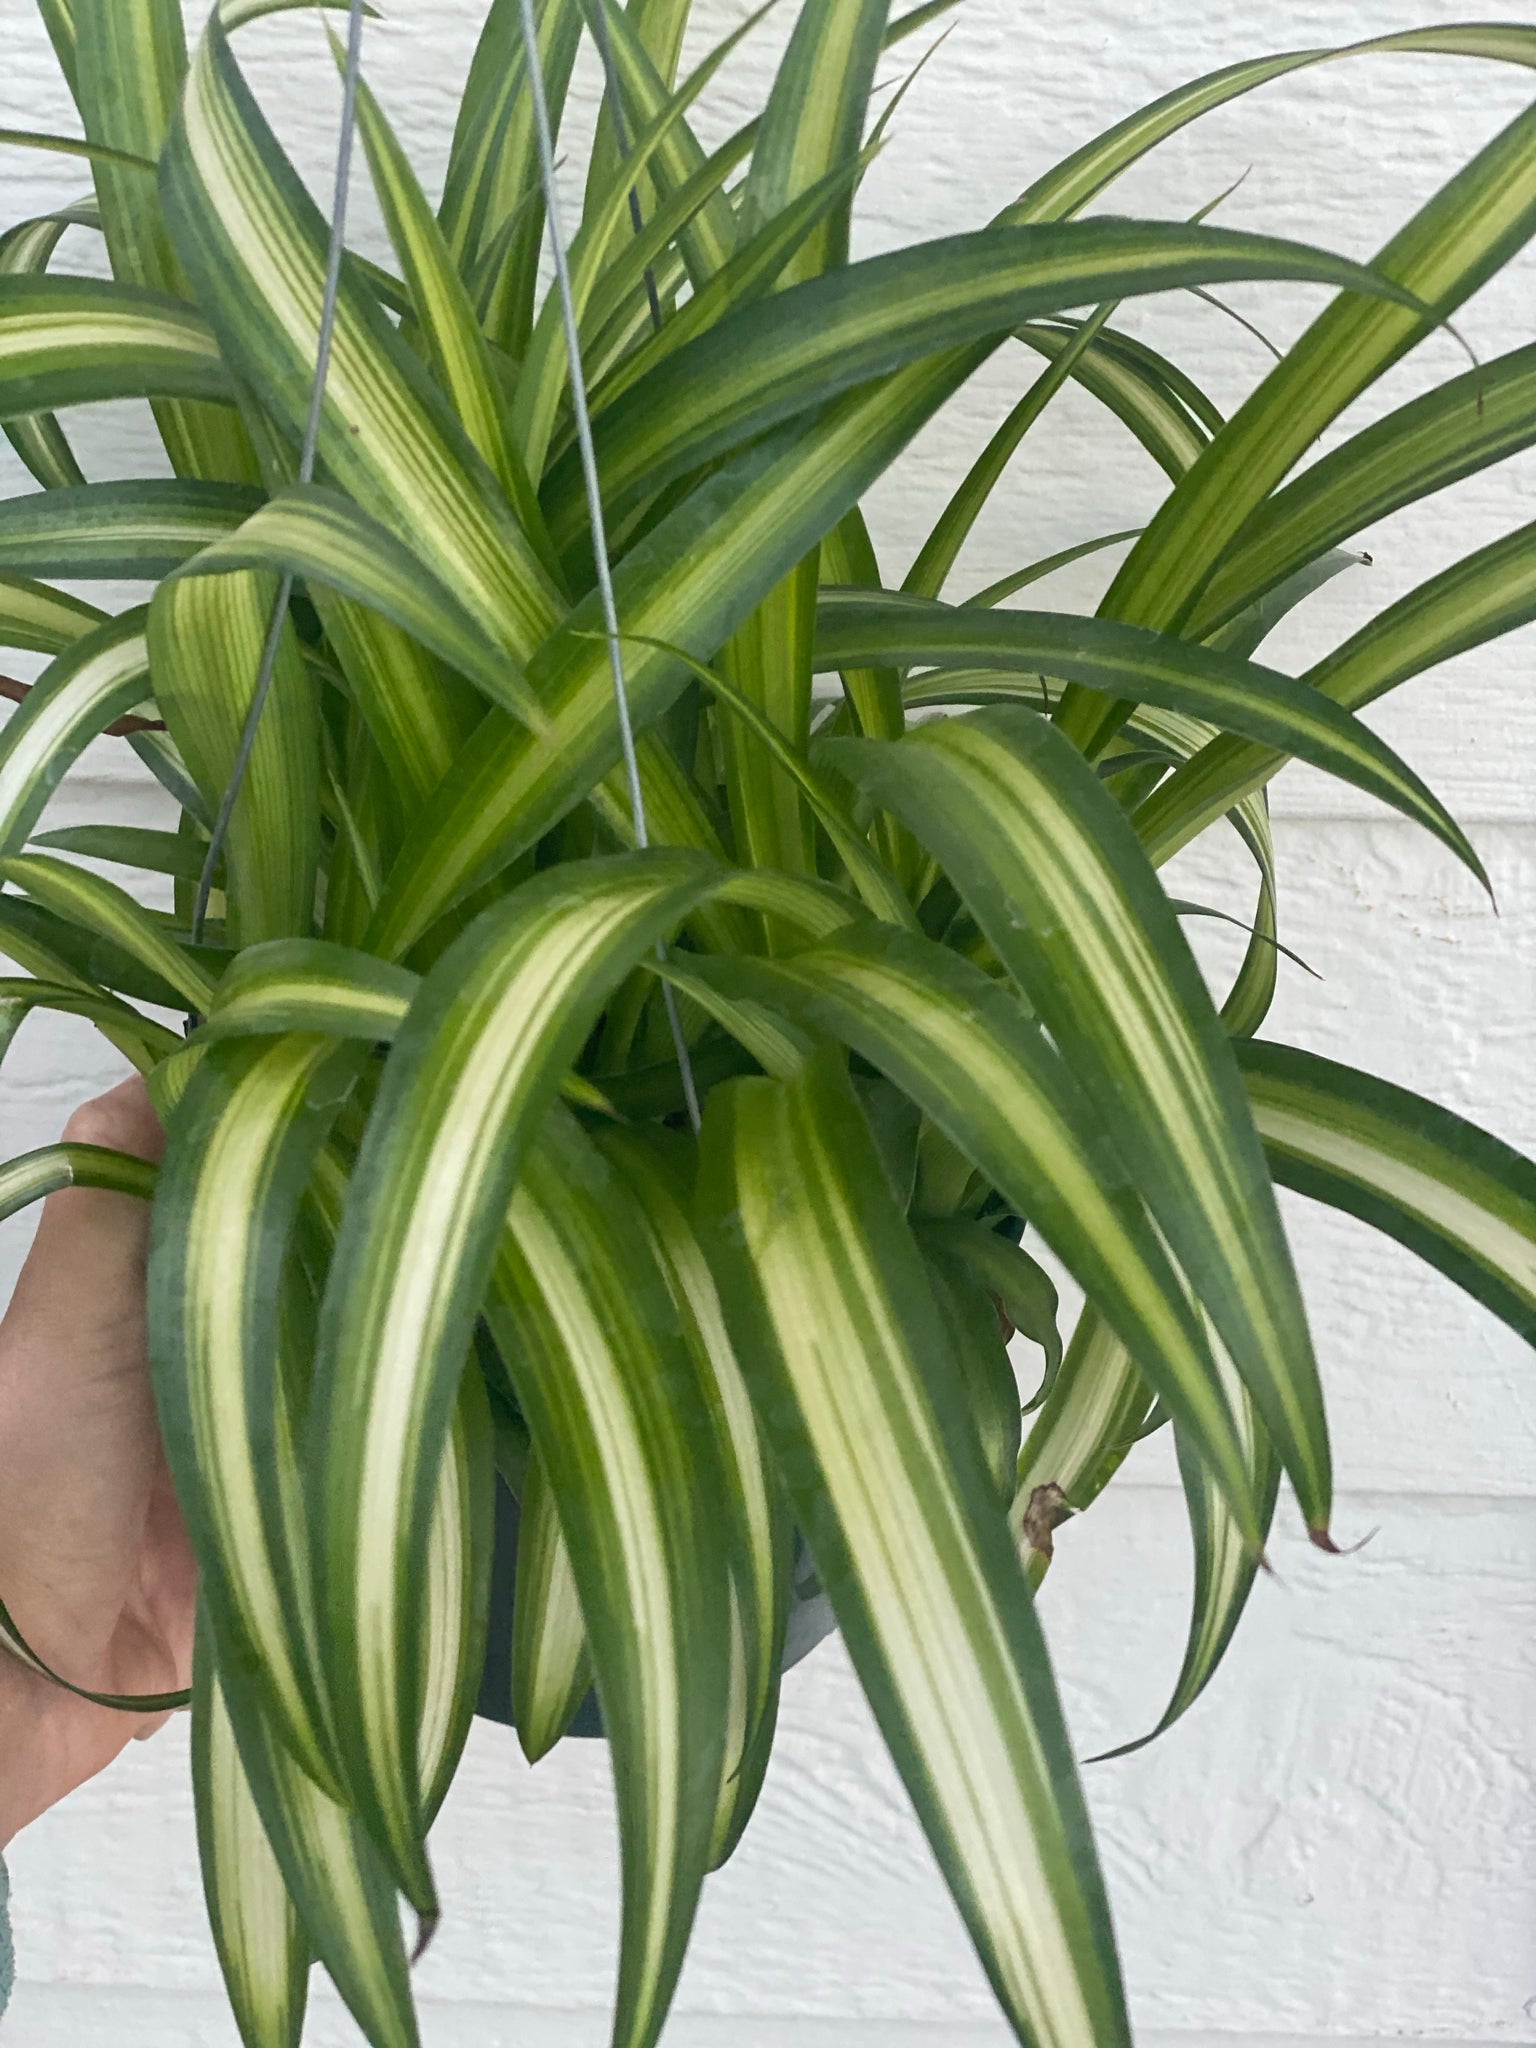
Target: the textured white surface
pixel 1341 1842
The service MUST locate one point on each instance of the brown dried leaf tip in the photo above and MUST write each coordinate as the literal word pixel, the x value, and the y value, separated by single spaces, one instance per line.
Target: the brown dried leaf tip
pixel 1048 1509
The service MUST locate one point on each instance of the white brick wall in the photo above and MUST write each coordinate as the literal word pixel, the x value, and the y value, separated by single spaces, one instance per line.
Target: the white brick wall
pixel 1341 1841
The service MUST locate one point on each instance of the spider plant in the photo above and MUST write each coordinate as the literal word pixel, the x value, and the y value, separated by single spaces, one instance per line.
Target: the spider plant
pixel 669 1128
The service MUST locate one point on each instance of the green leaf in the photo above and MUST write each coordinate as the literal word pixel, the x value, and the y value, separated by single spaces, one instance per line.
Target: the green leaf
pixel 492 206
pixel 46 621
pixel 240 1147
pixel 938 554
pixel 1472 226
pixel 309 985
pixel 206 639
pixel 255 246
pixel 980 1352
pixel 1244 633
pixel 605 1380
pixel 101 906
pixel 78 341
pixel 477 1063
pixel 56 949
pixel 988 1077
pixel 1129 662
pixel 130 846
pixel 458 1581
pixel 236 13
pixel 748 276
pixel 160 756
pixel 41 443
pixel 323 537
pixel 873 880
pixel 59 20
pixel 74 145
pixel 1475 600
pixel 1053 874
pixel 454 344
pixel 141 529
pixel 1034 572
pixel 131 59
pixel 754 1532
pixel 1088 1422
pixel 1461 1199
pixel 1077 179
pixel 618 327
pixel 346 1905
pixel 544 375
pixel 262 1952
pixel 551 1667
pixel 1225 1571
pixel 131 63
pixel 34 1175
pixel 814 121
pixel 1024 1291
pixel 418 712
pixel 864 1402
pixel 708 236
pixel 1434 440
pixel 693 580
pixel 96 679
pixel 144 1042
pixel 768 362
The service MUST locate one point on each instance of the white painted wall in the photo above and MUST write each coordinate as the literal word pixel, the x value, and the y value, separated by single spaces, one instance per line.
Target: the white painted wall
pixel 1341 1841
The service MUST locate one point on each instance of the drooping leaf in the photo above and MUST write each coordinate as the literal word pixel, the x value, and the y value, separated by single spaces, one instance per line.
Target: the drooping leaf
pixel 1053 874
pixel 323 537
pixel 1126 661
pixel 767 363
pixel 345 1904
pixel 1475 600
pixel 261 1947
pixel 987 1076
pixel 1460 1198
pixel 101 906
pixel 755 1532
pixel 847 1353
pixel 139 1038
pixel 95 679
pixel 45 620
pixel 551 1667
pixel 142 529
pixel 476 1064
pixel 240 1148
pixel 603 1375
pixel 79 341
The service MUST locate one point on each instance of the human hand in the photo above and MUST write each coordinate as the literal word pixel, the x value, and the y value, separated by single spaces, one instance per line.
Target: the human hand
pixel 95 1566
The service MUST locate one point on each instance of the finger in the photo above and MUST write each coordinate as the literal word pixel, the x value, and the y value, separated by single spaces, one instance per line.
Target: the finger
pixel 78 1432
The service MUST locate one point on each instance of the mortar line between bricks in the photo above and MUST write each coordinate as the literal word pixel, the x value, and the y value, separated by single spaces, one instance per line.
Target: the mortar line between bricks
pixel 724 2029
pixel 1366 1496
pixel 1520 821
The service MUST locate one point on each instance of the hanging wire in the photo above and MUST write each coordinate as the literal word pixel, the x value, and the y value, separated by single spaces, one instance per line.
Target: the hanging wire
pixel 307 456
pixel 583 423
